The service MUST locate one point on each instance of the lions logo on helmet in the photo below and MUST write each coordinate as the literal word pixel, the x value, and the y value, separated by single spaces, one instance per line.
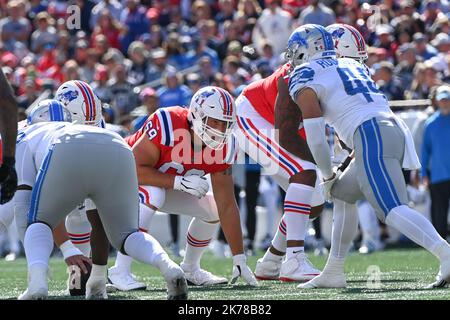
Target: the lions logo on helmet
pixel 79 98
pixel 49 110
pixel 348 42
pixel 308 42
pixel 216 103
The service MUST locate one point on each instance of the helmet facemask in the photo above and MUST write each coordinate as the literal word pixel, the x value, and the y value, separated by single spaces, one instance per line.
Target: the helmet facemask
pixel 211 137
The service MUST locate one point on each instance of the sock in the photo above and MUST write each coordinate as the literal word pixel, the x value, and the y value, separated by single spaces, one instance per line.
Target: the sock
pixel 144 248
pixel 279 241
pixel 198 237
pixel 38 244
pixel 345 227
pixel 417 228
pixel 79 231
pixel 368 222
pixel 123 262
pixel 98 271
pixel 269 256
pixel 297 207
pixel 145 216
pixel 22 201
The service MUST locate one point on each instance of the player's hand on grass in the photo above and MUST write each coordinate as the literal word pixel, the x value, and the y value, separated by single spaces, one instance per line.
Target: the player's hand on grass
pixel 195 185
pixel 8 179
pixel 240 269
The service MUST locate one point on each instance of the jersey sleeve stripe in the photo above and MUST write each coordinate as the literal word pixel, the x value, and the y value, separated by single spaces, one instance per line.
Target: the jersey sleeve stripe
pixel 166 127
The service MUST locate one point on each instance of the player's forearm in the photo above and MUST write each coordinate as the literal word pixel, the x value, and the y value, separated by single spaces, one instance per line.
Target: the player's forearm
pixel 317 142
pixel 8 117
pixel 60 234
pixel 149 176
pixel 231 226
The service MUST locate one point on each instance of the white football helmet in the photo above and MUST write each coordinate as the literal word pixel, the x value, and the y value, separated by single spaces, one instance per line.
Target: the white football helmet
pixel 217 103
pixel 49 110
pixel 348 42
pixel 79 98
pixel 309 42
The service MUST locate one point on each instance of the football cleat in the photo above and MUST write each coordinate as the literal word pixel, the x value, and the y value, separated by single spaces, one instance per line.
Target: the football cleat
pixel 443 277
pixel 200 277
pixel 297 268
pixel 176 282
pixel 123 280
pixel 325 280
pixel 37 285
pixel 268 269
pixel 96 288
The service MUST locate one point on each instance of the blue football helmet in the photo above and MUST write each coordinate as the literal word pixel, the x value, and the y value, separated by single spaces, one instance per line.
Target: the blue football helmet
pixel 49 110
pixel 309 42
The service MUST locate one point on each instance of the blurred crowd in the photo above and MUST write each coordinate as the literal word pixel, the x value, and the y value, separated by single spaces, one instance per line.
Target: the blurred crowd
pixel 142 55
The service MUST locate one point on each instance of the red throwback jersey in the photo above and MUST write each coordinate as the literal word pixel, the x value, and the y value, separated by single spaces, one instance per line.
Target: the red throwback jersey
pixel 168 129
pixel 262 94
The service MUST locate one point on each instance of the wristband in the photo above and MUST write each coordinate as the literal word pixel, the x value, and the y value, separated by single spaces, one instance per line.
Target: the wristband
pixel 69 250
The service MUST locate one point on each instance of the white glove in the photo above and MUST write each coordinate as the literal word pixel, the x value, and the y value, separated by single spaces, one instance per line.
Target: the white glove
pixel 195 185
pixel 240 269
pixel 328 184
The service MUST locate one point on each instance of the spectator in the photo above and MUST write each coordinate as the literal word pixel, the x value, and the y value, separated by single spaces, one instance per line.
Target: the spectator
pixel 15 28
pixel 123 97
pixel 206 73
pixel 200 49
pixel 176 54
pixel 173 93
pixel 70 71
pixel 317 13
pixel 136 23
pixel 113 6
pixel 159 65
pixel 250 8
pixel 385 40
pixel 100 85
pixel 109 27
pixel 226 11
pixel 139 67
pixel 387 81
pixel 150 103
pixel 87 71
pixel 200 11
pixel 194 83
pixel 436 160
pixel 45 32
pixel 406 57
pixel 274 25
pixel 30 94
pixel 423 49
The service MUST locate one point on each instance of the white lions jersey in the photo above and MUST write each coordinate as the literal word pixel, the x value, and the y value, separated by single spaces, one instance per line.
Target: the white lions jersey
pixel 347 94
pixel 34 141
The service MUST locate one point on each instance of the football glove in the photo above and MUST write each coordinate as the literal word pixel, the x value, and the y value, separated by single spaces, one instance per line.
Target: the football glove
pixel 195 185
pixel 240 269
pixel 8 179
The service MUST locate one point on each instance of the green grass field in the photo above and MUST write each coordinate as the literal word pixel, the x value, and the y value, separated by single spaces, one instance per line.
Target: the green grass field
pixel 404 274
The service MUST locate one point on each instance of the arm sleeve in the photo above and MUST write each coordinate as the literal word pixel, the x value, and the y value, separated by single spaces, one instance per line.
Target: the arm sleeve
pixel 317 142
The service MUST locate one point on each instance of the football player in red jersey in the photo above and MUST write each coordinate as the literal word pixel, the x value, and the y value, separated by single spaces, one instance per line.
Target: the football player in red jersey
pixel 174 150
pixel 263 106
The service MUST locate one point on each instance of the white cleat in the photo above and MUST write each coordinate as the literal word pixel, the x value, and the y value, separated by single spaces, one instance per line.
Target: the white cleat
pixel 298 269
pixel 37 285
pixel 325 280
pixel 96 288
pixel 267 269
pixel 200 277
pixel 443 277
pixel 177 288
pixel 124 281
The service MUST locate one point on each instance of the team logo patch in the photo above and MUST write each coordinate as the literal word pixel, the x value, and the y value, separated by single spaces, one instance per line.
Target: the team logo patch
pixel 68 96
pixel 303 75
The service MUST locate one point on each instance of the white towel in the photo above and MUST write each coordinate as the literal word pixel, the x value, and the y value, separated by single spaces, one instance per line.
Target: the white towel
pixel 410 158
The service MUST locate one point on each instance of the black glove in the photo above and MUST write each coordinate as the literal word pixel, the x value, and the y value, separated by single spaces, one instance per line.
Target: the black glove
pixel 8 179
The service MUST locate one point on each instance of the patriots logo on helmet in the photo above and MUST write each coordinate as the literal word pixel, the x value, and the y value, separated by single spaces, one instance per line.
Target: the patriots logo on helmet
pixel 202 96
pixel 337 34
pixel 68 96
